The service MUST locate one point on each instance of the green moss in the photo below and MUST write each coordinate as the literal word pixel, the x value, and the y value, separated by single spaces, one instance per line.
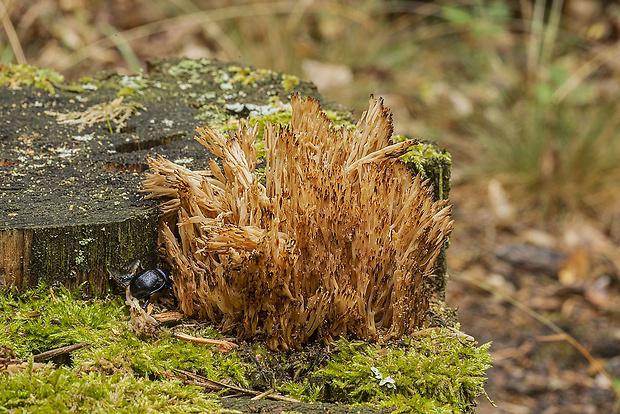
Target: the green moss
pixel 289 82
pixel 69 320
pixel 436 372
pixel 130 85
pixel 433 372
pixel 63 390
pixel 341 119
pixel 15 76
pixel 249 76
pixel 419 154
pixel 427 159
pixel 187 67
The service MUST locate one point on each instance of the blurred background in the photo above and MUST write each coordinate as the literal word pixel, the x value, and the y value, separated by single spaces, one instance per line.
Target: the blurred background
pixel 523 93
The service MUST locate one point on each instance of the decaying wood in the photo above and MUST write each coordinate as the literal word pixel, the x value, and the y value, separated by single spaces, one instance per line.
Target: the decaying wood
pixel 140 322
pixel 69 208
pixel 341 240
pixel 68 205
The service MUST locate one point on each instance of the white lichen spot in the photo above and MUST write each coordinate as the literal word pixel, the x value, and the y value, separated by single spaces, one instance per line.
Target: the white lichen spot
pixel 83 138
pixel 262 110
pixel 168 122
pixel 235 107
pixel 226 86
pixel 66 152
pixel 89 86
pixel 255 111
pixel 131 81
pixel 184 86
pixel 184 160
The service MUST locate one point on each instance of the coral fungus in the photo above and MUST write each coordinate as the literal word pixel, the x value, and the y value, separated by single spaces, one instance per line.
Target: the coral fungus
pixel 340 241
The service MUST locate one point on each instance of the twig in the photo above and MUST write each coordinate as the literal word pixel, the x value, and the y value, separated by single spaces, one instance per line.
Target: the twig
pixel 44 356
pixel 223 346
pixel 598 365
pixel 53 297
pixel 13 365
pixel 425 331
pixel 218 386
pixel 262 395
pixel 462 334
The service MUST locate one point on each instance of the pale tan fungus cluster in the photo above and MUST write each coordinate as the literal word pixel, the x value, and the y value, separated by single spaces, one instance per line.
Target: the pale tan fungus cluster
pixel 338 242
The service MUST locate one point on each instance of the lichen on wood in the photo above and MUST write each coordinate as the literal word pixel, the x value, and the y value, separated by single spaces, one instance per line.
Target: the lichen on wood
pixel 340 241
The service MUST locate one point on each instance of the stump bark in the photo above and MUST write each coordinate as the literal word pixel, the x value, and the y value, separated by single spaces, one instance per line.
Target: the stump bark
pixel 69 201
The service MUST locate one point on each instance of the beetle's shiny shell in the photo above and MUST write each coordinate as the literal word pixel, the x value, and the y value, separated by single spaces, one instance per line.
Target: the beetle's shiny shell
pixel 146 283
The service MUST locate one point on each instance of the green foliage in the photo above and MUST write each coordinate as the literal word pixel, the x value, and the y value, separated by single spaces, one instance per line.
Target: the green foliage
pixel 481 19
pixel 562 155
pixel 538 121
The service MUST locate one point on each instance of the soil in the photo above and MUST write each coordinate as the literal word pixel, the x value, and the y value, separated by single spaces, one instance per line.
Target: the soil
pixel 246 405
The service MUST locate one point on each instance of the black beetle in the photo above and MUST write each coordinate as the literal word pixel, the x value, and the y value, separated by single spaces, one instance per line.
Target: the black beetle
pixel 147 283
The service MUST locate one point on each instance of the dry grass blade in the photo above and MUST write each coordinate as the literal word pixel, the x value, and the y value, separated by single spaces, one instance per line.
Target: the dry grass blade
pixel 12 34
pixel 340 241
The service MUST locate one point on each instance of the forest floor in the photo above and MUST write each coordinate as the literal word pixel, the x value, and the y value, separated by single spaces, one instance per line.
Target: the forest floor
pixel 518 92
pixel 535 368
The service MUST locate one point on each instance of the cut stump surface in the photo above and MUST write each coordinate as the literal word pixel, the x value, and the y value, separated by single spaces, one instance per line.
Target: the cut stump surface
pixel 69 201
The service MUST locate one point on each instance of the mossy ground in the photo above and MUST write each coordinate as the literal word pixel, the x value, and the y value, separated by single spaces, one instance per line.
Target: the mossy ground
pixel 435 371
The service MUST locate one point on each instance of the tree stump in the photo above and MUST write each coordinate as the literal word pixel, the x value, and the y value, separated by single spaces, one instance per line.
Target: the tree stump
pixel 69 201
